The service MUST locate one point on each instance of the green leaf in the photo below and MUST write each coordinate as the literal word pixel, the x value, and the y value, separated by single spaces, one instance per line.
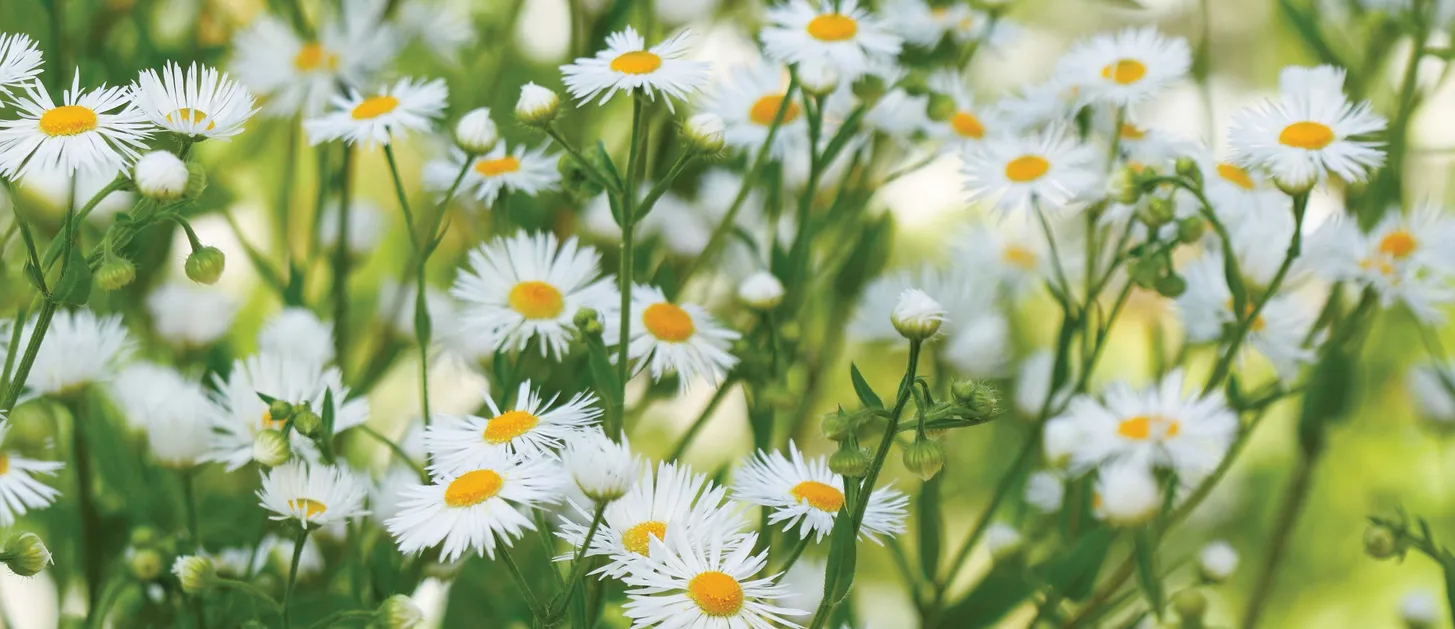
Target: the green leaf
pixel 930 527
pixel 843 550
pixel 267 399
pixel 862 389
pixel 1073 572
pixel 1146 554
pixel 328 416
pixel 74 287
pixel 1000 591
pixel 1327 400
pixel 33 275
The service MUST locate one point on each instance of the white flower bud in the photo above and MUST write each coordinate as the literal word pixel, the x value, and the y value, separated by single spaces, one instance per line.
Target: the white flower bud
pixel 476 132
pixel 1059 439
pixel 399 612
pixel 1420 610
pixel 197 574
pixel 1217 561
pixel 161 176
pixel 604 470
pixel 705 132
pixel 761 291
pixel 537 105
pixel 1128 493
pixel 1045 491
pixel 1002 540
pixel 817 78
pixel 270 448
pixel 917 316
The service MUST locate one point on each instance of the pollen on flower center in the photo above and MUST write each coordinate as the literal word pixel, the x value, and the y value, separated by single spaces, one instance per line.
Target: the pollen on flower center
pixel 496 167
pixel 1398 244
pixel 638 539
pixel 833 27
pixel 668 322
pixel 637 62
pixel 717 594
pixel 1144 427
pixel 4 463
pixel 1124 71
pixel 313 56
pixel 1307 135
pixel 818 495
pixel 311 508
pixel 375 106
pixel 536 300
pixel 1026 168
pixel 472 488
pixel 1131 132
pixel 190 116
pixel 67 120
pixel 1235 175
pixel 509 425
pixel 766 109
pixel 269 423
pixel 967 125
pixel 1019 256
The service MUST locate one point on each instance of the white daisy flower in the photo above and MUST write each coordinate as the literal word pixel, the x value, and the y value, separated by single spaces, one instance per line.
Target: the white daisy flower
pixel 1049 168
pixel 20 492
pixel 531 427
pixel 628 65
pixel 1033 384
pixel 295 76
pixel 1401 258
pixel 314 495
pixel 1206 308
pixel 188 314
pixel 367 223
pixel 692 582
pixel 240 414
pixel 1126 68
pixel 1161 427
pixel 1307 133
pixel 100 129
pixel 970 121
pixel 202 103
pixel 669 499
pixel 1434 399
pixel 748 102
pixel 681 338
pixel 79 348
pixel 529 286
pixel 1217 560
pixel 171 409
pixel 295 332
pixel 475 508
pixel 1040 105
pixel 407 105
pixel 803 493
pixel 841 36
pixel 445 28
pixel 804 582
pixel 1126 493
pixel 20 60
pixel 1420 609
pixel 899 115
pixel 518 170
pixel 1240 196
pixel 1015 253
pixel 603 469
pixel 1045 490
pixel 386 495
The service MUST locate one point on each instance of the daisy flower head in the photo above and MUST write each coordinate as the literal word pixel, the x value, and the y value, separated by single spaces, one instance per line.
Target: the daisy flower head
pixel 1239 195
pixel 20 492
pixel 969 121
pixel 1126 68
pixel 838 36
pixel 503 169
pixel 170 408
pixel 20 60
pixel 603 469
pixel 79 348
pixel 295 332
pixel 367 223
pixel 407 105
pixel 295 75
pixel 95 130
pixel 670 498
pixel 188 314
pixel 628 65
pixel 1040 105
pixel 1308 132
pixel 445 28
pixel 1278 332
pixel 530 286
pixel 681 338
pixel 1401 258
pixel 1015 253
pixel 314 495
pixel 899 115
pixel 1047 169
pixel 475 508
pixel 803 493
pixel 1126 493
pixel 748 102
pixel 1161 427
pixel 240 414
pixel 689 581
pixel 202 102
pixel 532 426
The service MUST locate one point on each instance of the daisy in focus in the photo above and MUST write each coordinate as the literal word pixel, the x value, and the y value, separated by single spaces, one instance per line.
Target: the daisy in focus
pixel 688 581
pixel 803 493
pixel 518 170
pixel 628 65
pixel 79 348
pixel 1308 132
pixel 313 495
pixel 685 339
pixel 240 414
pixel 748 103
pixel 847 40
pixel 298 76
pixel 202 103
pixel 531 427
pixel 20 60
pixel 20 492
pixel 1126 68
pixel 1048 169
pixel 96 130
pixel 407 105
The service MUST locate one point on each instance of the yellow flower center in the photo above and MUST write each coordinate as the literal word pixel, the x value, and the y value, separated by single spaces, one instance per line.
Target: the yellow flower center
pixel 1398 244
pixel 1026 168
pixel 668 322
pixel 1019 256
pixel 67 120
pixel 509 425
pixel 536 300
pixel 192 116
pixel 269 423
pixel 1258 323
pixel 375 106
pixel 717 594
pixel 472 488
pixel 833 27
pixel 313 56
pixel 1124 71
pixel 637 62
pixel 1131 132
pixel 1307 135
pixel 4 463
pixel 766 109
pixel 638 539
pixel 311 508
pixel 1144 427
pixel 818 495
pixel 967 125
pixel 1382 266
pixel 1235 175
pixel 496 167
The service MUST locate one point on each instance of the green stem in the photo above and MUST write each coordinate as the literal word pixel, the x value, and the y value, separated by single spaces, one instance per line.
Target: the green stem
pixel 586 166
pixel 32 348
pixel 96 616
pixel 397 449
pixel 520 580
pixel 341 264
pixel 578 565
pixel 293 576
pixel 627 268
pixel 687 437
pixel 793 555
pixel 251 590
pixel 94 564
pixel 1288 511
pixel 343 615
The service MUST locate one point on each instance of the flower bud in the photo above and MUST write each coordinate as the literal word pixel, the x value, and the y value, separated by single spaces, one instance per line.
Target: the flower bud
pixel 941 107
pixel 851 461
pixel 924 458
pixel 399 612
pixel 1217 561
pixel 1171 285
pixel 1123 187
pixel 280 411
pixel 1379 543
pixel 917 316
pixel 270 448
pixel 981 400
pixel 1190 605
pixel 197 574
pixel 761 291
pixel 1128 494
pixel 1156 212
pixel 1191 229
pixel 588 321
pixel 160 176
pixel 145 564
pixel 144 536
pixel 115 273
pixel 25 554
pixel 838 425
pixel 305 421
pixel 869 88
pixel 476 133
pixel 205 265
pixel 1187 168
pixel 704 132
pixel 817 78
pixel 537 106
pixel 603 469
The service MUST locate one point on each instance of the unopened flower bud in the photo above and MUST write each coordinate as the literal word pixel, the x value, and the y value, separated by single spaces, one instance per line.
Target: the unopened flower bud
pixel 399 612
pixel 924 458
pixel 205 265
pixel 817 78
pixel 270 448
pixel 306 421
pixel 980 399
pixel 917 316
pixel 1171 285
pixel 704 132
pixel 1187 168
pixel 476 133
pixel 1191 229
pixel 1128 493
pixel 1217 561
pixel 838 425
pixel 851 461
pixel 146 564
pixel 116 272
pixel 1379 543
pixel 588 321
pixel 1156 212
pixel 869 88
pixel 280 411
pixel 144 536
pixel 25 554
pixel 197 574
pixel 1190 605
pixel 761 291
pixel 537 106
pixel 160 176
pixel 941 107
pixel 1123 187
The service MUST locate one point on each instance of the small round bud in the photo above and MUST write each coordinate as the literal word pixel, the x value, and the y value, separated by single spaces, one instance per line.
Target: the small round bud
pixel 1123 187
pixel 306 422
pixel 160 176
pixel 280 411
pixel 838 425
pixel 25 554
pixel 537 106
pixel 145 536
pixel 270 448
pixel 704 132
pixel 1145 273
pixel 761 291
pixel 1191 229
pixel 941 107
pixel 1156 212
pixel 1171 285
pixel 917 316
pixel 197 574
pixel 817 78
pixel 205 265
pixel 1217 561
pixel 146 564
pixel 603 469
pixel 1379 543
pixel 924 458
pixel 475 132
pixel 979 398
pixel 850 461
pixel 399 612
pixel 1295 187
pixel 869 88
pixel 1128 493
pixel 588 321
pixel 1190 604
pixel 115 273
pixel 1187 168
pixel 1003 541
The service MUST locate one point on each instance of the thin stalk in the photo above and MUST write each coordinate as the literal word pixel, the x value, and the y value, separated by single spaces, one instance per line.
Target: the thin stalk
pixel 293 576
pixel 93 562
pixel 520 580
pixel 341 263
pixel 794 554
pixel 578 564
pixel 687 437
pixel 397 449
pixel 626 269
pixel 1290 507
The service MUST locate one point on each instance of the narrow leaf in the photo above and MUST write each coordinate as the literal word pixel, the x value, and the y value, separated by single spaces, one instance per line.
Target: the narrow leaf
pixel 1146 553
pixel 862 388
